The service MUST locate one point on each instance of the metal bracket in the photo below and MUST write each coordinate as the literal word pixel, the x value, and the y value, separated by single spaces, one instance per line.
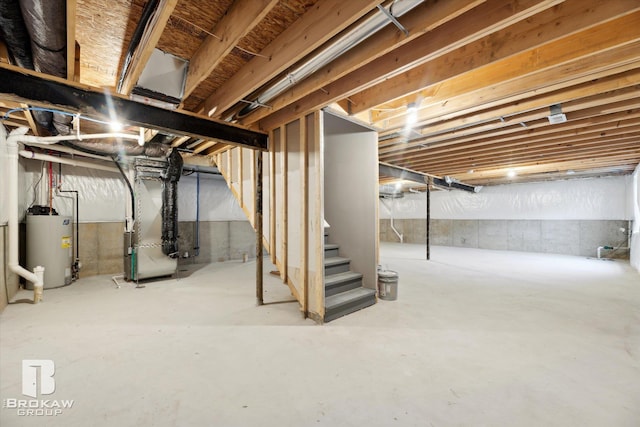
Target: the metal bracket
pixel 393 19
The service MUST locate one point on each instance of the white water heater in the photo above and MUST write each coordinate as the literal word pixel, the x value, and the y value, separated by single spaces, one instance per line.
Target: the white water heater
pixel 50 245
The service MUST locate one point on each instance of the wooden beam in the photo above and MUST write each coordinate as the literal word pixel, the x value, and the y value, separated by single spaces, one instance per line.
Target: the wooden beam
pixel 71 39
pixel 203 146
pixel 4 53
pixel 420 20
pixel 20 85
pixel 219 148
pixel 596 147
pixel 284 213
pixel 323 21
pixel 304 215
pixel 533 120
pixel 273 214
pixel 504 142
pixel 148 42
pixel 487 56
pixel 490 119
pixel 179 141
pixel 548 26
pixel 32 123
pixel 240 19
pixel 442 40
pixel 460 96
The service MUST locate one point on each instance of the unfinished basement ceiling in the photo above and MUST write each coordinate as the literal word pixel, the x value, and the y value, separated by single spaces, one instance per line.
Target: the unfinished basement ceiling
pixel 461 88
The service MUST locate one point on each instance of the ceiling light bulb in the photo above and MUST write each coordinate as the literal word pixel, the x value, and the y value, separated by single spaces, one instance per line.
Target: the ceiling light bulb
pixel 398 186
pixel 412 114
pixel 116 126
pixel 511 173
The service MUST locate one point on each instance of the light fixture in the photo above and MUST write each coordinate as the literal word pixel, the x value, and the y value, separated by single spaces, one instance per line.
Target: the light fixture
pixel 571 172
pixel 412 114
pixel 115 126
pixel 511 173
pixel 556 115
pixel 398 185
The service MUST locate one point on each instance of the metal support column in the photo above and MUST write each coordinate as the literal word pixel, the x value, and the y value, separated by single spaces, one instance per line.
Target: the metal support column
pixel 428 193
pixel 258 224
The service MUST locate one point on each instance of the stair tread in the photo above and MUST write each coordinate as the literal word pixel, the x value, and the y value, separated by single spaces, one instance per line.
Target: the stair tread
pixel 331 246
pixel 342 298
pixel 336 260
pixel 341 277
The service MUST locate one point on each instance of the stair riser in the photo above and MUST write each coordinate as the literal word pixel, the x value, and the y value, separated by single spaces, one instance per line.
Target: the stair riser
pixel 335 269
pixel 353 306
pixel 342 287
pixel 326 239
pixel 329 253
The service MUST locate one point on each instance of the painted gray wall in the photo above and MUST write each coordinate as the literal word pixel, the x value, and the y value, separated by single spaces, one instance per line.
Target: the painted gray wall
pixel 571 237
pixel 351 193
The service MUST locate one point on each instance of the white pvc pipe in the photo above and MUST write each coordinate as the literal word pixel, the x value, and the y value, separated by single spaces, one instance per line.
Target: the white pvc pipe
pixel 68 150
pixel 78 137
pixel 11 156
pixel 70 162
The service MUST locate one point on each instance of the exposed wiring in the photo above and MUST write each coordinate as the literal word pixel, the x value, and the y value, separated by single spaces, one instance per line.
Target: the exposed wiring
pixel 35 186
pixel 215 36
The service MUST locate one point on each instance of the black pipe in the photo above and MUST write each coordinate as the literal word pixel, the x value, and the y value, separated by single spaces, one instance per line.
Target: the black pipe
pixel 126 179
pixel 197 245
pixel 170 204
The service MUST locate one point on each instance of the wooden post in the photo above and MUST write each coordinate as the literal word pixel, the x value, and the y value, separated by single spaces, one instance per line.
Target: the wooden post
pixel 258 225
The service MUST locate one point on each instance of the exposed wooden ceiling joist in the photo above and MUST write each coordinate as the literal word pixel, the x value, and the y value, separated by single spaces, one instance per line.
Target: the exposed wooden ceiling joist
pixel 426 17
pixel 150 36
pixel 243 16
pixel 484 72
pixel 323 21
pixel 462 30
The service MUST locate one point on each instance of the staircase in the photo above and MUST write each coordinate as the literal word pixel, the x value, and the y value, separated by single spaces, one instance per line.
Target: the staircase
pixel 343 289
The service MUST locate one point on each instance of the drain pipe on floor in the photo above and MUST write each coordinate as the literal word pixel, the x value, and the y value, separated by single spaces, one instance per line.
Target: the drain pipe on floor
pixel 391 210
pixel 10 153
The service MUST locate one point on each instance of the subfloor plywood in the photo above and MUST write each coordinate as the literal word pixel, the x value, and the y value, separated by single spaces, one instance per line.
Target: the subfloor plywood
pixel 476 337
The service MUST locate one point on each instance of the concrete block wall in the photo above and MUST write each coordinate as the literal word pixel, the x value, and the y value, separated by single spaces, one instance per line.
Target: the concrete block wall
pixel 570 237
pixel 101 248
pixel 101 244
pixel 219 241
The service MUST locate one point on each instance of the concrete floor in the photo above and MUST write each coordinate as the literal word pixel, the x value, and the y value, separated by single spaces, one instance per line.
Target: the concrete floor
pixel 476 338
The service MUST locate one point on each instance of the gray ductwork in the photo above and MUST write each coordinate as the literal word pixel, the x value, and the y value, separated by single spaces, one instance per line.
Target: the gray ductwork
pixel 36 36
pixel 126 148
pixel 46 22
pixel 15 34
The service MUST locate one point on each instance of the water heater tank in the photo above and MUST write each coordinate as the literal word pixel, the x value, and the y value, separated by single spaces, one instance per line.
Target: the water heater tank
pixel 49 244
